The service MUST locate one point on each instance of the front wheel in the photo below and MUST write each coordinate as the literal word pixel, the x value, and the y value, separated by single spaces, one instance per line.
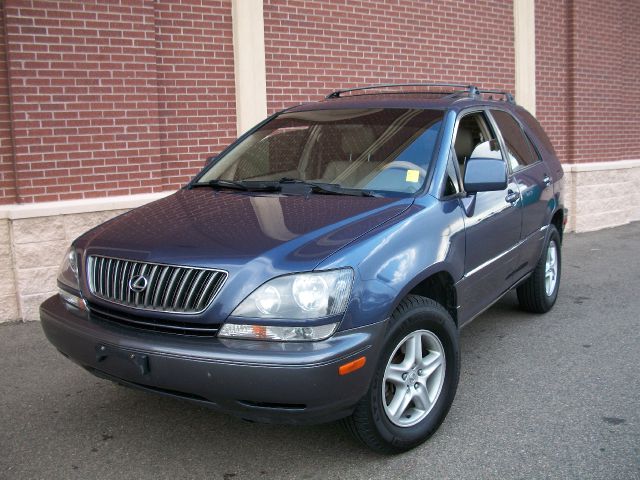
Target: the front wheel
pixel 540 291
pixel 415 380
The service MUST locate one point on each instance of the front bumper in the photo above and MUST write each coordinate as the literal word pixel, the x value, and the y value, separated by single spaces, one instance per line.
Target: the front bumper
pixel 260 381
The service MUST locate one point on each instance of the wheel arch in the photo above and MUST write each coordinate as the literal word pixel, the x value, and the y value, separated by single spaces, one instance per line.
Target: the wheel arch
pixel 438 285
pixel 557 220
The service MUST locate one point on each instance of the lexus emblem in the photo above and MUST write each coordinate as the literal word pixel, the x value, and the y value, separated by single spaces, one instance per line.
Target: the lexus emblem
pixel 138 283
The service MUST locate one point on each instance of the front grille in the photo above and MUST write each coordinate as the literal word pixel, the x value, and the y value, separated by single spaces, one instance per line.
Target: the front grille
pixel 100 313
pixel 167 288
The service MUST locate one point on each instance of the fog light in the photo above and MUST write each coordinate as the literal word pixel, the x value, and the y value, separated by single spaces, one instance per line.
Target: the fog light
pixel 72 300
pixel 282 334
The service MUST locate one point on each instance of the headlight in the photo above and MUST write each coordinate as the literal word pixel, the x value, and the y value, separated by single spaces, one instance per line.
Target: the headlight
pixel 299 296
pixel 302 296
pixel 68 273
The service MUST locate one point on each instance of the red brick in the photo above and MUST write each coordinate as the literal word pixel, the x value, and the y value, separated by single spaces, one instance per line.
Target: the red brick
pixel 314 47
pixel 587 60
pixel 7 178
pixel 88 94
pixel 138 92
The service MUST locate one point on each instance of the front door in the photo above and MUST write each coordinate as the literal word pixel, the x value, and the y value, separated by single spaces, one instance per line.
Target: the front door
pixel 493 222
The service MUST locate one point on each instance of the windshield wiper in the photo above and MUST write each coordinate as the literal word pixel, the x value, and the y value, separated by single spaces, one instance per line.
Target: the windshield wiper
pixel 275 186
pixel 327 188
pixel 220 184
pixel 238 185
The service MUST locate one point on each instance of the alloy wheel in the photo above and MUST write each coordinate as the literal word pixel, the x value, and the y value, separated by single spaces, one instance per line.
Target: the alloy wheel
pixel 413 378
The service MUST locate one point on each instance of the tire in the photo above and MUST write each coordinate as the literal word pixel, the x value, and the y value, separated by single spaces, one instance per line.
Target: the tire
pixel 536 295
pixel 431 385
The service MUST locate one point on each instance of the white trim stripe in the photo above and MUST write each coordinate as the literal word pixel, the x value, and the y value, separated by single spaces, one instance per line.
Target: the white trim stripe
pixel 87 205
pixel 599 166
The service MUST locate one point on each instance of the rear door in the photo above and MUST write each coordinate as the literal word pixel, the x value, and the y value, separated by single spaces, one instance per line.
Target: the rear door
pixel 534 183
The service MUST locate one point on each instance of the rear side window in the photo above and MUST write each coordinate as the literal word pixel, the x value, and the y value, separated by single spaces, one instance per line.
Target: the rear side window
pixel 537 130
pixel 519 151
pixel 532 148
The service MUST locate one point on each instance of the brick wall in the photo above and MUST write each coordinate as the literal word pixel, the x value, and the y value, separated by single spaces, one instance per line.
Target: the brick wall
pixel 7 182
pixel 196 85
pixel 552 75
pixel 588 59
pixel 115 97
pixel 128 96
pixel 596 94
pixel 629 73
pixel 315 46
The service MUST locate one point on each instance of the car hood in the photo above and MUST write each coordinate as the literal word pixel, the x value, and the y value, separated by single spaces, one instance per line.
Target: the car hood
pixel 224 229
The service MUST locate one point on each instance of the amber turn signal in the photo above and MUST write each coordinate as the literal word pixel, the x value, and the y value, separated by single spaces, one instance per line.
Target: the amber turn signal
pixel 352 366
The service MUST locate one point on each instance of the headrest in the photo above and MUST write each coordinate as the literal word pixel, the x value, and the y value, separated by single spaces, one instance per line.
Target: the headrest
pixel 464 143
pixel 356 138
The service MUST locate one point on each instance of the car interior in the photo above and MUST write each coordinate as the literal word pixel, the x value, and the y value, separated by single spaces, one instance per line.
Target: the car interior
pixel 474 138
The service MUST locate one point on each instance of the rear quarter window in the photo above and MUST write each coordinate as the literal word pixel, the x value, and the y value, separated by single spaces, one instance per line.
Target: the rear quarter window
pixel 536 129
pixel 519 150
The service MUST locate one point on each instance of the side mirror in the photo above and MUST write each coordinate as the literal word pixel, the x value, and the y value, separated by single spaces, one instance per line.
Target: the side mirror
pixel 484 175
pixel 209 160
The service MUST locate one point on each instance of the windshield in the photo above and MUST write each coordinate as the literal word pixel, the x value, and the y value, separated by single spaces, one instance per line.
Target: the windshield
pixel 386 150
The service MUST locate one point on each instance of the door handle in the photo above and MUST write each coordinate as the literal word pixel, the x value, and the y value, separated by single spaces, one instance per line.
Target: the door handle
pixel 547 180
pixel 512 197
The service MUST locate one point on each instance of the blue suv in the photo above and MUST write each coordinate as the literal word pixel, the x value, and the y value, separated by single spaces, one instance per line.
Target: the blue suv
pixel 321 267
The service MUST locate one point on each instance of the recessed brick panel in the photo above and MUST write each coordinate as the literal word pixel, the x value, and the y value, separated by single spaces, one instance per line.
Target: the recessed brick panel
pixel 588 60
pixel 629 73
pixel 196 84
pixel 7 180
pixel 84 92
pixel 597 48
pixel 114 97
pixel 313 47
pixel 552 74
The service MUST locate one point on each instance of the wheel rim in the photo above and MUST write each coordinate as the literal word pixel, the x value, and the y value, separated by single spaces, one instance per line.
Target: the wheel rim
pixel 413 378
pixel 551 269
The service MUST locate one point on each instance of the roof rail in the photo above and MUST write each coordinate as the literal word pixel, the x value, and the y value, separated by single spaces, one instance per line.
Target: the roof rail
pixel 508 97
pixel 471 90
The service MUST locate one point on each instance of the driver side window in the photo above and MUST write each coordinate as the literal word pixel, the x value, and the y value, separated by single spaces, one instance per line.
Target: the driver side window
pixel 475 138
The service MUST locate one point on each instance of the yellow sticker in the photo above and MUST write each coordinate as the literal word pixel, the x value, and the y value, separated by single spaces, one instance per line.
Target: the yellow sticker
pixel 413 176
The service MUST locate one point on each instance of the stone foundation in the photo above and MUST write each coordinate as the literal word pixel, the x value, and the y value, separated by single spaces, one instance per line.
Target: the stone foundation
pixel 33 240
pixel 603 194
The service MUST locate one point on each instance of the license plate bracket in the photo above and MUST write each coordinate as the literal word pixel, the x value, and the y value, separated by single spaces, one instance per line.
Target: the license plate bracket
pixel 139 360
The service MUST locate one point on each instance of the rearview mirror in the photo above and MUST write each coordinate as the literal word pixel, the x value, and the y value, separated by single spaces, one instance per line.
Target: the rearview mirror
pixel 484 175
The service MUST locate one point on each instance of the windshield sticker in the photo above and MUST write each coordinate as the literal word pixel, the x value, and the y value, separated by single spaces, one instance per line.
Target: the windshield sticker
pixel 413 176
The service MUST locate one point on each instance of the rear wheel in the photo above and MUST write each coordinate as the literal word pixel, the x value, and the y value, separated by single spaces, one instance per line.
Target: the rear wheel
pixel 415 380
pixel 539 292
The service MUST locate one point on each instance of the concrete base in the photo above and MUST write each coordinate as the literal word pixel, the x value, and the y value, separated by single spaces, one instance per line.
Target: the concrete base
pixel 33 239
pixel 603 194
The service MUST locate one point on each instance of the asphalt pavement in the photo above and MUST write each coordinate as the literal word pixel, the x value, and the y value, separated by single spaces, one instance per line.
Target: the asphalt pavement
pixel 540 396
